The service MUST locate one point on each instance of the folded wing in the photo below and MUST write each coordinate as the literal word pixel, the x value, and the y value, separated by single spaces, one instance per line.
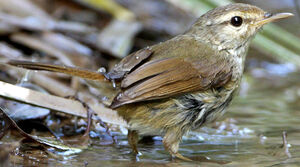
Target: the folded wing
pixel 167 76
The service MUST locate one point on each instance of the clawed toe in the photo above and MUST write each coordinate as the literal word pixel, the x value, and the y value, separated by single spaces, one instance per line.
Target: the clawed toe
pixel 179 156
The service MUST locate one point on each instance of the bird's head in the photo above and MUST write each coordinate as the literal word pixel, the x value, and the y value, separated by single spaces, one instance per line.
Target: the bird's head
pixel 234 25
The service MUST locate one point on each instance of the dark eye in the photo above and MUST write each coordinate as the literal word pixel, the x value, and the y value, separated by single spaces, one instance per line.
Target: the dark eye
pixel 236 21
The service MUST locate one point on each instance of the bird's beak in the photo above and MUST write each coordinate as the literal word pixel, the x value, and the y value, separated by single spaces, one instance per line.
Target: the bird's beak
pixel 270 18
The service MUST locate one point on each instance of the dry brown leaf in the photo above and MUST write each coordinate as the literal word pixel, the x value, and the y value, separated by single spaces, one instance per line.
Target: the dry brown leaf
pixel 58 103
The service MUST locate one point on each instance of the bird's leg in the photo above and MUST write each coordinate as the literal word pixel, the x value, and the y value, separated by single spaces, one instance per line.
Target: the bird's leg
pixel 133 139
pixel 89 111
pixel 171 143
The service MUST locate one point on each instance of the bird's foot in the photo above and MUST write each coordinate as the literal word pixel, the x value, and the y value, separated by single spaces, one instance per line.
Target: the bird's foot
pixel 181 157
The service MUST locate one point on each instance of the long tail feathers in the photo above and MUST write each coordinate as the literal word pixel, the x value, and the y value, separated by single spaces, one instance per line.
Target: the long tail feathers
pixel 82 73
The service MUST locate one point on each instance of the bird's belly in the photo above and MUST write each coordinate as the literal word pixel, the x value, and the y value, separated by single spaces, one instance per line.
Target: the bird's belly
pixel 205 107
pixel 185 112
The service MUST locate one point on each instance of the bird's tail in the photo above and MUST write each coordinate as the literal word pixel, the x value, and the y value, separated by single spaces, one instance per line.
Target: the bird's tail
pixel 82 73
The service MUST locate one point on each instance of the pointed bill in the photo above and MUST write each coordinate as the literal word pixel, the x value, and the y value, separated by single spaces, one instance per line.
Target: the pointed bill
pixel 270 18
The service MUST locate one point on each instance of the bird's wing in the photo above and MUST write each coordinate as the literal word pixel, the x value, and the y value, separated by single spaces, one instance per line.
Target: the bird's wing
pixel 128 63
pixel 172 72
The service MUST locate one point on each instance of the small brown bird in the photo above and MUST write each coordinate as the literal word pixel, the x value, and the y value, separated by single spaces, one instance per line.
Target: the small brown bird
pixel 181 84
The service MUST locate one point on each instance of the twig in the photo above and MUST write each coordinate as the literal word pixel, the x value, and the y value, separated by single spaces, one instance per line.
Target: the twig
pixel 285 144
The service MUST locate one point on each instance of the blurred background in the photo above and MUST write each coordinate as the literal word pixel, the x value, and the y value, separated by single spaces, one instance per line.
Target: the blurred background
pixel 261 128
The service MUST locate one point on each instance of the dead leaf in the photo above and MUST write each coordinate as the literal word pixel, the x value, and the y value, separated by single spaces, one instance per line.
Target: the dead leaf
pixel 58 103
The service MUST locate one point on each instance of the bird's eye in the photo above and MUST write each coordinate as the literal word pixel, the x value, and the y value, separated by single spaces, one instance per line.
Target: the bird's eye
pixel 236 21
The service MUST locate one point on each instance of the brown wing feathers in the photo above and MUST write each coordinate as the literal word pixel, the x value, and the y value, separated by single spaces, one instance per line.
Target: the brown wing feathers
pixel 152 68
pixel 168 77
